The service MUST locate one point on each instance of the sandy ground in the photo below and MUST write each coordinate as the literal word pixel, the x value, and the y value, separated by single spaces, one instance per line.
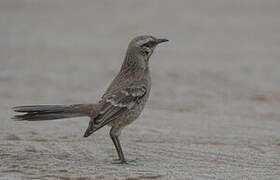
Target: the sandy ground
pixel 214 111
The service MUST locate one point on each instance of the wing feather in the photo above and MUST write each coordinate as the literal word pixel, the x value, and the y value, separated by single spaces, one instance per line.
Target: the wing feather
pixel 114 105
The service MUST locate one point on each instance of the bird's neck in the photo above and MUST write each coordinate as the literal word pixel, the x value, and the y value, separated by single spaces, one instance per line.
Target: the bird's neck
pixel 134 62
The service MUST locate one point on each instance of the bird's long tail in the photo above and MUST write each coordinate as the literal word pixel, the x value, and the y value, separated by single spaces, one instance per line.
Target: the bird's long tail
pixel 52 112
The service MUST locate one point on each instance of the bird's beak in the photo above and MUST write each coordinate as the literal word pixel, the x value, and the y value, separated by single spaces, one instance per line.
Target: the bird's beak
pixel 158 41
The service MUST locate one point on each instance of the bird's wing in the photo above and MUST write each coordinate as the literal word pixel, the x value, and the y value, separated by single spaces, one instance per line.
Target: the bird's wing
pixel 114 104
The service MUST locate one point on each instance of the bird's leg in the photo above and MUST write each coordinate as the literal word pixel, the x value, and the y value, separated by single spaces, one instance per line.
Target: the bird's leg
pixel 115 138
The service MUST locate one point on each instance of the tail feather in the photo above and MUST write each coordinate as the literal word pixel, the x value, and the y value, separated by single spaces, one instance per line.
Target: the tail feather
pixel 52 112
pixel 39 108
pixel 44 116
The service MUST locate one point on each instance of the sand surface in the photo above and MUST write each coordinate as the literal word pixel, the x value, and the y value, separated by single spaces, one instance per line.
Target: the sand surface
pixel 214 111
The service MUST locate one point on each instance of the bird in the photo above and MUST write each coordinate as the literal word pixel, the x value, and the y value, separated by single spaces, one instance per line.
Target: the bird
pixel 122 102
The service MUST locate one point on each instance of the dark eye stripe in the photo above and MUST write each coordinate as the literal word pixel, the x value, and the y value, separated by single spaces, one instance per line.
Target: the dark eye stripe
pixel 148 44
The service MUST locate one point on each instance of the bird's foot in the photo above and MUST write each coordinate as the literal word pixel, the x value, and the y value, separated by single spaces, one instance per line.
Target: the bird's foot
pixel 119 161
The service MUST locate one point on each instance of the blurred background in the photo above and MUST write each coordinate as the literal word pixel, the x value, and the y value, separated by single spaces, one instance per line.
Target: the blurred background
pixel 215 99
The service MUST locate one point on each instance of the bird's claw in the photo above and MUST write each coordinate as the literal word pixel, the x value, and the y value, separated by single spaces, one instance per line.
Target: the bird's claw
pixel 118 161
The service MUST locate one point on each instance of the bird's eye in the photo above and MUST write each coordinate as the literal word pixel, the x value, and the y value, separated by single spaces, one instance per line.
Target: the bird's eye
pixel 148 44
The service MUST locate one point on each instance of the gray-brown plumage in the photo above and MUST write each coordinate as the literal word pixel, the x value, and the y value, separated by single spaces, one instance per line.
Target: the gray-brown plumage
pixel 121 104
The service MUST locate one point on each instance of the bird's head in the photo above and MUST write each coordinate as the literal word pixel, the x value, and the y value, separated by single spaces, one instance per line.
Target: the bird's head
pixel 140 50
pixel 145 45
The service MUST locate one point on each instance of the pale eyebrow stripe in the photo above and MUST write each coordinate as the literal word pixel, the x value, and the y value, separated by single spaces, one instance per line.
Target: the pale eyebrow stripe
pixel 143 41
